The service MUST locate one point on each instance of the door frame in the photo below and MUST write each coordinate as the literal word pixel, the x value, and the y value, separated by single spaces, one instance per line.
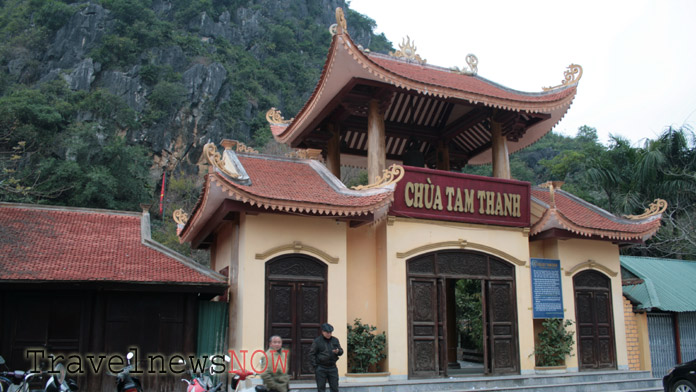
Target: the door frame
pixel 610 312
pixel 425 267
pixel 318 275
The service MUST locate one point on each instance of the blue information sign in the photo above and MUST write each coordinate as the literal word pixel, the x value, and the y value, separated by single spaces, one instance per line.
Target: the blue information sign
pixel 547 295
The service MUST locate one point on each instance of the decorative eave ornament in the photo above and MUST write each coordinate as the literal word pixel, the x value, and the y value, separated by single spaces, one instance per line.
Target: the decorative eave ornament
pixel 307 153
pixel 571 75
pixel 274 117
pixel 340 27
pixel 657 207
pixel 228 164
pixel 407 51
pixel 391 175
pixel 552 186
pixel 472 62
pixel 180 217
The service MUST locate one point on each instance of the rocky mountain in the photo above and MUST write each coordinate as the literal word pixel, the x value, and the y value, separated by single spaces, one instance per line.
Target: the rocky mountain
pixel 169 75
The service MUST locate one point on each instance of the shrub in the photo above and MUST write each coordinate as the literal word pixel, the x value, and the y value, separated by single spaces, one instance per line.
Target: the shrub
pixel 365 349
pixel 555 343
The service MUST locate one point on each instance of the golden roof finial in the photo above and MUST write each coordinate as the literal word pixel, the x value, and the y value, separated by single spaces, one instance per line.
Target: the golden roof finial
pixel 391 175
pixel 273 116
pixel 180 217
pixel 552 186
pixel 214 158
pixel 655 208
pixel 407 51
pixel 340 27
pixel 571 75
pixel 472 62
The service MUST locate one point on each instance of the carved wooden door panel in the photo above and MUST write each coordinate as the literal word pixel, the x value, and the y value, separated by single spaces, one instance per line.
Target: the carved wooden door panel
pixel 296 307
pixel 502 327
pixel 424 327
pixel 595 328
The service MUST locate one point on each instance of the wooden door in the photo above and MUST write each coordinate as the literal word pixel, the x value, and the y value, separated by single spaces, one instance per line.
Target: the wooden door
pixel 296 307
pixel 595 327
pixel 501 327
pixel 424 327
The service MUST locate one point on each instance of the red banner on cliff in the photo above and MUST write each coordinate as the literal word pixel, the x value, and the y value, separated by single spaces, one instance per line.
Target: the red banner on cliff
pixel 435 194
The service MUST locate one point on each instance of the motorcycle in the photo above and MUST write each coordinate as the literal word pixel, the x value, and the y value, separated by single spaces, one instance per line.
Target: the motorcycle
pixel 201 382
pixel 21 381
pixel 124 381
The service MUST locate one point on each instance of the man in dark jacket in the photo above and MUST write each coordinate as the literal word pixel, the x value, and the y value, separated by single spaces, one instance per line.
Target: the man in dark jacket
pixel 323 354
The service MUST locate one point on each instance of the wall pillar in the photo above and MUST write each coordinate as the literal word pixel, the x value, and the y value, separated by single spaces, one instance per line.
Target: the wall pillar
pixel 501 159
pixel 376 151
pixel 333 151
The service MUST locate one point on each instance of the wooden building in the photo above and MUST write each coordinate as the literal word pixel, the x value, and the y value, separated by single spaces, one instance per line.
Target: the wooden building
pixel 92 282
pixel 302 249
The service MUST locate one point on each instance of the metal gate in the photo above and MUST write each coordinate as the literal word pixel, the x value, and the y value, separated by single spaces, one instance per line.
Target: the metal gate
pixel 663 350
pixel 687 335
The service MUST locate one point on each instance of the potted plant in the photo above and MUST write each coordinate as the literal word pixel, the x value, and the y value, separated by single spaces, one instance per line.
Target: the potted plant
pixel 554 344
pixel 365 350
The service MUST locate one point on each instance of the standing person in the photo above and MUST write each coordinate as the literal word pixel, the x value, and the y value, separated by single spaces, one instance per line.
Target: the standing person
pixel 323 355
pixel 275 378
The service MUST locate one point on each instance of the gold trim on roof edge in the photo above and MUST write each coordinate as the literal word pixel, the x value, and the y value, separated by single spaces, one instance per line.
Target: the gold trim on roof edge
pixel 389 176
pixel 657 207
pixel 569 77
pixel 180 217
pixel 407 51
pixel 215 159
pixel 274 116
pixel 341 26
pixel 472 62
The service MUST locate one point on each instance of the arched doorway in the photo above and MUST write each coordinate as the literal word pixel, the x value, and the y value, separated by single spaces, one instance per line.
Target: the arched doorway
pixel 595 325
pixel 432 330
pixel 295 306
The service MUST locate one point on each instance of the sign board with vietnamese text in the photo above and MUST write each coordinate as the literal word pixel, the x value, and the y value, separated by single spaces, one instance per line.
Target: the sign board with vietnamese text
pixel 440 195
pixel 547 295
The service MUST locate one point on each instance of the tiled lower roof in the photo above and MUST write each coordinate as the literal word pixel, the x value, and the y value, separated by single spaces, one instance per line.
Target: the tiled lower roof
pixel 568 212
pixel 40 243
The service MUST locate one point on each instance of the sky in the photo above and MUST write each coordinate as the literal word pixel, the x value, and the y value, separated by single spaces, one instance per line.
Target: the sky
pixel 638 57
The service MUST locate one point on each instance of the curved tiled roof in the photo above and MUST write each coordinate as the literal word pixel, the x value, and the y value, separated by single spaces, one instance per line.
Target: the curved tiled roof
pixel 287 185
pixel 346 62
pixel 568 212
pixel 39 243
pixel 447 79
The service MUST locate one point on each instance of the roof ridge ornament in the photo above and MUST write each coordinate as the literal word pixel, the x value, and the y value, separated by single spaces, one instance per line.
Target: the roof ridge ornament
pixel 657 207
pixel 407 51
pixel 341 26
pixel 472 62
pixel 215 159
pixel 307 153
pixel 180 217
pixel 274 117
pixel 391 175
pixel 569 77
pixel 552 186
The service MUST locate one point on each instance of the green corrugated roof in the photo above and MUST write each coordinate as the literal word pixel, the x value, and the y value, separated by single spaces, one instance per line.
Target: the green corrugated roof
pixel 669 284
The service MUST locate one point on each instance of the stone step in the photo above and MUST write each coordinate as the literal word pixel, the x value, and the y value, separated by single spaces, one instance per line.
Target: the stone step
pixel 574 381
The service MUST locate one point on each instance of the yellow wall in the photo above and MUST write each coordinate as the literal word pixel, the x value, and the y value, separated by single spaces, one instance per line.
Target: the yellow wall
pixel 573 252
pixel 262 232
pixel 369 280
pixel 406 234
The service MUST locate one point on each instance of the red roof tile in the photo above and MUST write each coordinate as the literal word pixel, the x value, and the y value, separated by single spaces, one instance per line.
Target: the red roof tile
pixel 39 243
pixel 297 180
pixel 285 185
pixel 576 215
pixel 445 78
